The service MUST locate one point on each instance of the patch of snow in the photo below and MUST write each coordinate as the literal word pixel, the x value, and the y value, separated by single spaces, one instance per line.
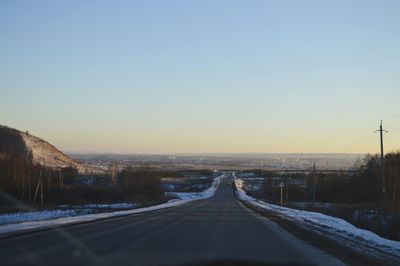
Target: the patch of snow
pixel 335 228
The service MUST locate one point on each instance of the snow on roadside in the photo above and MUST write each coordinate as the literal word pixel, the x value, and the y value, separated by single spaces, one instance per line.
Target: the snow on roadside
pixel 241 193
pixel 125 205
pixel 198 195
pixel 16 227
pixel 20 217
pixel 82 218
pixel 64 211
pixel 335 227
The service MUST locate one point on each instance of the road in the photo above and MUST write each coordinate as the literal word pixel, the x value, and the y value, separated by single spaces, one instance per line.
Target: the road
pixel 204 232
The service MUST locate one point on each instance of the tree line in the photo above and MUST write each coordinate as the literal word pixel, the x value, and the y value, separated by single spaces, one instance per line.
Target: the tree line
pixel 24 183
pixel 361 186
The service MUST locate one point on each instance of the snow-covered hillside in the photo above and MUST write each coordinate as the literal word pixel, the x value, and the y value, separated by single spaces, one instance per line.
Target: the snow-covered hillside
pixel 46 154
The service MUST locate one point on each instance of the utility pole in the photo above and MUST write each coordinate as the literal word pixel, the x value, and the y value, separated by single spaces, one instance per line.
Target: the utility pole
pixel 114 173
pixel 287 190
pixel 59 178
pixel 41 189
pixel 313 181
pixel 41 182
pixel 281 185
pixel 382 161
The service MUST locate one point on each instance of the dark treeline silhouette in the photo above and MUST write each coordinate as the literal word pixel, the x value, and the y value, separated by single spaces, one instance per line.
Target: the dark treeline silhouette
pixel 11 142
pixel 356 197
pixel 24 185
pixel 141 182
pixel 362 186
pixel 365 186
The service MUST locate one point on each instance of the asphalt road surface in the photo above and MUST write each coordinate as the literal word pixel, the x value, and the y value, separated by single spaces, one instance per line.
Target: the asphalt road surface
pixel 215 231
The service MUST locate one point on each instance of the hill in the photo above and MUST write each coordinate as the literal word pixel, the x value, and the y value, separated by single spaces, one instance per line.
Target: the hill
pixel 41 152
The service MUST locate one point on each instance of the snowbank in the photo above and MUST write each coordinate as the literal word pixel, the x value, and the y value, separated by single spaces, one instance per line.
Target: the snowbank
pixel 334 228
pixel 8 228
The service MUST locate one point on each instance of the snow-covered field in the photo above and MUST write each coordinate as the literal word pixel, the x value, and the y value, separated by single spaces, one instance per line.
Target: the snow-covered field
pixel 33 220
pixel 337 229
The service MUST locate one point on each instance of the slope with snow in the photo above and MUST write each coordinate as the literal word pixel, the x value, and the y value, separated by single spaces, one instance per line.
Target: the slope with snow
pixel 46 154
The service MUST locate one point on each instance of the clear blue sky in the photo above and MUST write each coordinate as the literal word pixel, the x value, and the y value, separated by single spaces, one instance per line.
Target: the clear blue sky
pixel 201 76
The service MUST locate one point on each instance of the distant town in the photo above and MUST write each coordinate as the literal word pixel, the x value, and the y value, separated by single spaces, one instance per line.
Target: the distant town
pixel 270 161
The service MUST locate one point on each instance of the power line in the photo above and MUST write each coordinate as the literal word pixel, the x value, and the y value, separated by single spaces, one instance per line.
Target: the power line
pixel 356 141
pixel 365 141
pixel 395 125
pixel 367 137
pixel 391 117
